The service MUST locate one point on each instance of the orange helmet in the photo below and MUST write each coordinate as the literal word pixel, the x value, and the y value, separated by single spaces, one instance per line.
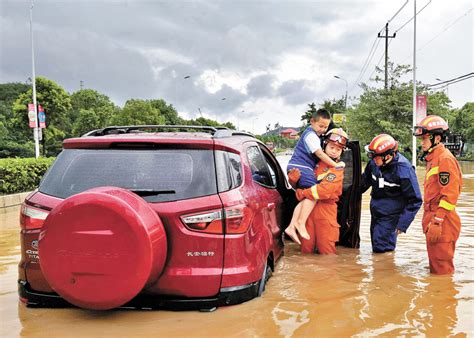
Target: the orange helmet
pixel 432 124
pixel 338 136
pixel 381 145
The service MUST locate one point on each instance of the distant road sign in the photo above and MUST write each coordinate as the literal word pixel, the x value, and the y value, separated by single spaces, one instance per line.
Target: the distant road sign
pixel 339 118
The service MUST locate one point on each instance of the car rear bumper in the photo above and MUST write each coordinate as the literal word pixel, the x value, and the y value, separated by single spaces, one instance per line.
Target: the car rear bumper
pixel 228 296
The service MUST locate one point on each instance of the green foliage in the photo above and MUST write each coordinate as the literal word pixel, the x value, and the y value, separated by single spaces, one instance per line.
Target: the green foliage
pixel 9 92
pixel 90 110
pixel 22 174
pixel 9 145
pixel 167 110
pixel 332 106
pixel 202 121
pixel 390 111
pixel 462 121
pixel 138 112
pixel 278 141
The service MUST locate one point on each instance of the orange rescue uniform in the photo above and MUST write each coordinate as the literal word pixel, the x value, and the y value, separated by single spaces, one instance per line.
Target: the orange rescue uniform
pixel 322 223
pixel 443 182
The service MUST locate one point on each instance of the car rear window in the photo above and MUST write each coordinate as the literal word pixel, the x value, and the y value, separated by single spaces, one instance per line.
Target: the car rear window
pixel 157 175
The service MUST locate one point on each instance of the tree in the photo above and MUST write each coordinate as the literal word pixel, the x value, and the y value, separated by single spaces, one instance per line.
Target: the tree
pixel 390 110
pixel 90 110
pixel 57 105
pixel 138 112
pixel 10 144
pixel 167 111
pixel 462 121
pixel 332 106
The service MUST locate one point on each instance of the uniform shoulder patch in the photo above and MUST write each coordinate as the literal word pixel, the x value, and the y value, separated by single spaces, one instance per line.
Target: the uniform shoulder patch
pixel 444 178
pixel 330 177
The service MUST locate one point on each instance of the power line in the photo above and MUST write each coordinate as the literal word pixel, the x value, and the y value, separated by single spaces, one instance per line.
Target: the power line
pixel 456 79
pixel 366 63
pixel 393 17
pixel 466 78
pixel 373 50
pixel 444 30
pixel 406 23
pixel 380 60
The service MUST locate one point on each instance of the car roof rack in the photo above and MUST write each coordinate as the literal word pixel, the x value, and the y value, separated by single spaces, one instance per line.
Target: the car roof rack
pixel 216 132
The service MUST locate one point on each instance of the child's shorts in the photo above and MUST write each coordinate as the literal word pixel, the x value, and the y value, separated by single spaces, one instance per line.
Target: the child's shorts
pixel 307 179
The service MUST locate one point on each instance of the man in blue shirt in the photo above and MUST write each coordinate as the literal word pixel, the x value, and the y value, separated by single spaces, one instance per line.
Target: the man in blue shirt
pixel 395 196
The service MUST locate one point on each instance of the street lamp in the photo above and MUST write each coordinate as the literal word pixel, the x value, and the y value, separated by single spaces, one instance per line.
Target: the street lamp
pixel 447 86
pixel 345 97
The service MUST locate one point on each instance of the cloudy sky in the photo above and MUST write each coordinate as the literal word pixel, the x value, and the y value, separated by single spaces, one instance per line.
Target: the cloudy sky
pixel 248 62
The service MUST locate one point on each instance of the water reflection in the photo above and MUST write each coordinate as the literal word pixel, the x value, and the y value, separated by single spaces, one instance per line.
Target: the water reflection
pixel 355 293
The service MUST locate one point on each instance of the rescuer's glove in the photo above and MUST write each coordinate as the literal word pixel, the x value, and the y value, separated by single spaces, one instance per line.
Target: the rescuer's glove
pixel 301 194
pixel 434 229
pixel 294 176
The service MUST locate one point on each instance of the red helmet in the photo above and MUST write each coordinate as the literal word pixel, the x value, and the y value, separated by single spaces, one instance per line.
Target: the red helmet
pixel 338 136
pixel 381 145
pixel 432 124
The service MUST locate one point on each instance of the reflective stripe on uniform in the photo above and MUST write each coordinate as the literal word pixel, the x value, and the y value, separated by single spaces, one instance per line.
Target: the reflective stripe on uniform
pixel 321 177
pixel 314 191
pixel 388 184
pixel 433 171
pixel 380 140
pixel 446 205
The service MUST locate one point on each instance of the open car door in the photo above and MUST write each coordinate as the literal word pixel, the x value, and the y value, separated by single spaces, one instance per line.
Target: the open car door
pixel 349 204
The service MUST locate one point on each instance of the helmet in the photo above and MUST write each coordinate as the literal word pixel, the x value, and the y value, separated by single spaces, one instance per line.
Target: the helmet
pixel 338 136
pixel 381 145
pixel 432 124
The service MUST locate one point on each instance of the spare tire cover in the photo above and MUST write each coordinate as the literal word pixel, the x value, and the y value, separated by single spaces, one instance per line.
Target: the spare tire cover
pixel 100 248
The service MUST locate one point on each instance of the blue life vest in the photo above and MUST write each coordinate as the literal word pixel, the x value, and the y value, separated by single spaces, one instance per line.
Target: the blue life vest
pixel 303 157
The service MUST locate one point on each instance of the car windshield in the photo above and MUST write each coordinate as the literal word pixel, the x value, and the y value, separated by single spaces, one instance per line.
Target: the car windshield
pixel 157 175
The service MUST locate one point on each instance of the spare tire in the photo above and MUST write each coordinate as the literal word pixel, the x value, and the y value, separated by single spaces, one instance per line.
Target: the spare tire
pixel 100 248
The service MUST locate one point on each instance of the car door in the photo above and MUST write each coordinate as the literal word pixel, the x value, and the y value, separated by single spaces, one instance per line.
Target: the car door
pixel 265 180
pixel 349 204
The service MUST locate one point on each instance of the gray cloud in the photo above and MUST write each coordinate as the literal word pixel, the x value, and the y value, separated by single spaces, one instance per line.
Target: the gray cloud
pixel 261 86
pixel 296 92
pixel 143 49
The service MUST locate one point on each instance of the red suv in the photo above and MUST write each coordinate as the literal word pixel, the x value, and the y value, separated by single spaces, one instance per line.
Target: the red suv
pixel 179 217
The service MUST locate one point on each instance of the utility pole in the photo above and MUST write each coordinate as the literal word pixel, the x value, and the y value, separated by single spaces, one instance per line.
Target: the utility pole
pixel 386 36
pixel 33 83
pixel 413 138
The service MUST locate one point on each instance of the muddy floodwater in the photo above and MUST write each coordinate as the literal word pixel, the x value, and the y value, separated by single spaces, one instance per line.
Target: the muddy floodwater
pixel 355 293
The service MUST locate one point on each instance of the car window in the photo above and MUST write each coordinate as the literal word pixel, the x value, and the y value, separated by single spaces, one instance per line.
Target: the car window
pixel 229 170
pixel 259 167
pixel 156 174
pixel 348 159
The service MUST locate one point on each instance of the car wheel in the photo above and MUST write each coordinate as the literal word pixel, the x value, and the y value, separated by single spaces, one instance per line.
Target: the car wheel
pixel 100 248
pixel 267 273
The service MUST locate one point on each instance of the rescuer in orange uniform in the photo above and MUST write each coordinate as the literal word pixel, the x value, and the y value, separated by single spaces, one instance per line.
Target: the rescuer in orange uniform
pixel 443 182
pixel 322 223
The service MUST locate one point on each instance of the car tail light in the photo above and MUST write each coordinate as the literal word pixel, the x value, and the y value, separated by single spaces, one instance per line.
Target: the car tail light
pixel 237 220
pixel 31 217
pixel 209 221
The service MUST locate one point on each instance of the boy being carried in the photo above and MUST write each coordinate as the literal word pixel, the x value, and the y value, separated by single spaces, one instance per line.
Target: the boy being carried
pixel 306 155
pixel 322 223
